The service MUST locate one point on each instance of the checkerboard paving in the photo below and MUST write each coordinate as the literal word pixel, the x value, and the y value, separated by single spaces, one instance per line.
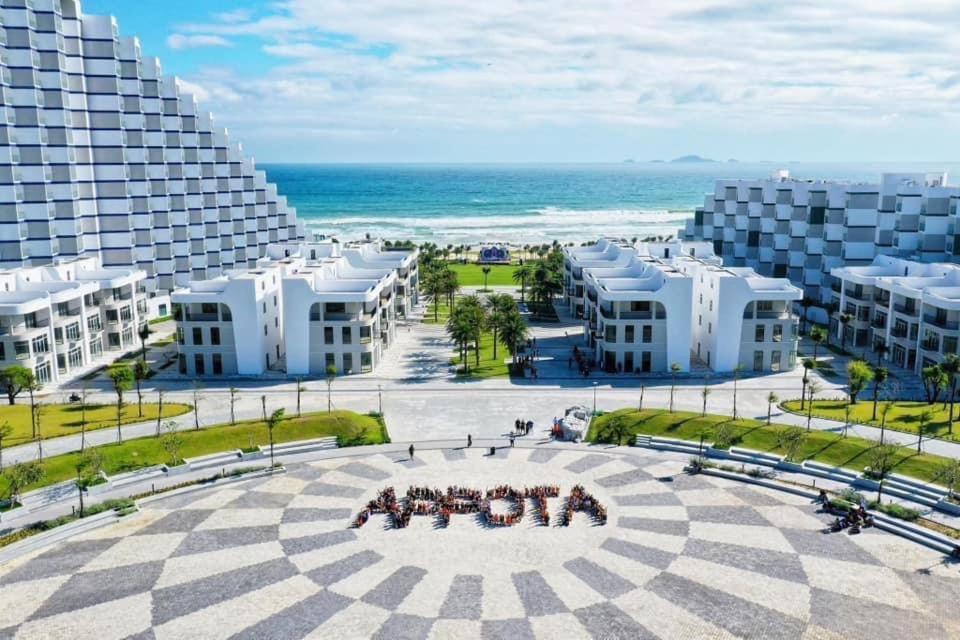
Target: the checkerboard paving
pixel 680 557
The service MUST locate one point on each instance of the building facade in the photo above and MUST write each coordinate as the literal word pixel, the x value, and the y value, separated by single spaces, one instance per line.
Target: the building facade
pixel 102 155
pixel 304 308
pixel 906 311
pixel 654 305
pixel 804 229
pixel 61 320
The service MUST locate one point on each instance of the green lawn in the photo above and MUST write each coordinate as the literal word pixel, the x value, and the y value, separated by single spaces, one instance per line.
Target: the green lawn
pixel 471 275
pixel 488 368
pixel 352 428
pixel 828 448
pixel 903 415
pixel 64 419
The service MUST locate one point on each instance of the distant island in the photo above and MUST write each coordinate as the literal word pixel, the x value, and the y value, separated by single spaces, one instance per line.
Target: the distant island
pixel 691 159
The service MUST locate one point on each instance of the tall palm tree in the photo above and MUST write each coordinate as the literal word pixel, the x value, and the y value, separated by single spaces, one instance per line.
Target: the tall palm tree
pixel 818 335
pixel 805 304
pixel 880 375
pixel 808 365
pixel 737 370
pixel 951 367
pixel 513 334
pixel 772 399
pixel 486 273
pixel 520 276
pixel 501 306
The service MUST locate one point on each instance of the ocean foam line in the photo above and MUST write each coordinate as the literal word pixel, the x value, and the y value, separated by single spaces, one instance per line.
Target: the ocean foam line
pixel 548 216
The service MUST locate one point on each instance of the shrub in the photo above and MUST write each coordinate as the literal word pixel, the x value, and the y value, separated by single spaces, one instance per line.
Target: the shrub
pixel 896 511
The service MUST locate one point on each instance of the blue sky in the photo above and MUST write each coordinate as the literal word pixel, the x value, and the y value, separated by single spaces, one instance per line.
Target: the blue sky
pixel 564 80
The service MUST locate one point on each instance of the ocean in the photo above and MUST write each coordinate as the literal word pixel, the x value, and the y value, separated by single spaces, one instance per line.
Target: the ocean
pixel 474 204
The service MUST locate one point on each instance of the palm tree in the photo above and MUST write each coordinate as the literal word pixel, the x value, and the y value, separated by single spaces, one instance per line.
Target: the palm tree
pixel 818 335
pixel 140 373
pixel 880 375
pixel 31 385
pixel 881 349
pixel 808 365
pixel 486 272
pixel 520 275
pixel 300 389
pixel 674 370
pixel 197 397
pixel 501 306
pixel 144 333
pixel 122 378
pixel 272 423
pixel 513 334
pixel 772 399
pixel 805 304
pixel 705 393
pixel 951 367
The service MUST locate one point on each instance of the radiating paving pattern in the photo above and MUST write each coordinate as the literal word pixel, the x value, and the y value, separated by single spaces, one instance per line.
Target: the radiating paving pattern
pixel 681 557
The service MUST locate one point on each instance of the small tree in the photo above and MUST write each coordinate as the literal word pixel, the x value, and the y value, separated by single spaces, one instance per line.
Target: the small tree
pixel 737 370
pixel 233 401
pixel 813 389
pixel 772 399
pixel 643 388
pixel 272 423
pixel 674 370
pixel 197 397
pixel 20 476
pixel 951 367
pixel 705 393
pixel 859 374
pixel 926 415
pixel 883 458
pixel 486 273
pixel 172 443
pixel 89 466
pixel 724 435
pixel 15 379
pixel 791 440
pixel 5 432
pixel 32 386
pixel 331 374
pixel 140 373
pixel 159 409
pixel 949 475
pixel 300 389
pixel 615 430
pixel 263 407
pixel 847 407
pixel 934 381
pixel 122 378
pixel 884 411
pixel 818 335
pixel 808 365
pixel 880 375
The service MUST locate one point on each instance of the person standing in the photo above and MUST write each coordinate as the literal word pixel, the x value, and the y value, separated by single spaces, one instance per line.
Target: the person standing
pixel 411 450
pixel 469 441
pixel 512 438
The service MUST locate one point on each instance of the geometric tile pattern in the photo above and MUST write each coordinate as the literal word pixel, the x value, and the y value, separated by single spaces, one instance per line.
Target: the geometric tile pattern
pixel 680 557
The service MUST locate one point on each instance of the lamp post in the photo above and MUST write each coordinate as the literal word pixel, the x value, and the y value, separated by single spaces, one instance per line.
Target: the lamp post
pixel 594 398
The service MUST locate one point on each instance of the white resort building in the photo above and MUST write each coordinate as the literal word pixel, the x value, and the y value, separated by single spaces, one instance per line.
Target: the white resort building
pixel 61 320
pixel 304 308
pixel 102 155
pixel 910 308
pixel 804 229
pixel 649 306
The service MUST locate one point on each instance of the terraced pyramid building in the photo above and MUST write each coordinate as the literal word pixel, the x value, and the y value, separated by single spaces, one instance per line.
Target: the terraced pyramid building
pixel 101 155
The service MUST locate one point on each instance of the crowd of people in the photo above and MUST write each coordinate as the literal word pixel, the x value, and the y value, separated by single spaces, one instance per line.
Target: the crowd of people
pixel 584 364
pixel 580 500
pixel 522 427
pixel 458 500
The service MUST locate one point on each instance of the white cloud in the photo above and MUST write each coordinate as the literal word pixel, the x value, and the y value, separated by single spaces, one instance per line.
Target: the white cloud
pixel 499 65
pixel 181 41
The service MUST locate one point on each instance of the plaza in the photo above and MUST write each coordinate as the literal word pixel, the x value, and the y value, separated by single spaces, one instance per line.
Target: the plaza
pixel 680 556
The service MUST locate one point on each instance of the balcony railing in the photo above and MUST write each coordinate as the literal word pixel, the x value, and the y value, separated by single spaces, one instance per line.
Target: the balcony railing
pixel 942 323
pixel 904 309
pixel 930 345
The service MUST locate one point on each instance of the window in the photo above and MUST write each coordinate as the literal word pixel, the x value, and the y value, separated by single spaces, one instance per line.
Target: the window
pixel 274 301
pixel 208 308
pixel 43 372
pixel 58 335
pixel 63 308
pixel 112 317
pixel 217 364
pixel 711 305
pixel 30 320
pixel 225 314
pixel 315 312
pixel 113 340
pixel 93 323
pixel 73 332
pixel 96 347
pixel 758 360
pixel 197 336
pixel 264 307
pixel 182 364
pixel 366 361
pixel 345 335
pixel 709 327
pixel 629 331
pixel 3 351
pixel 647 333
pixel 264 329
pixel 198 367
pixel 335 307
pixel 330 361
pixel 276 322
pixel 758 333
pixel 328 335
pixel 365 334
pixel 214 335
pixel 348 363
pixel 179 335
pixel 775 361
pixel 40 344
pixel 126 313
pixel 22 349
pixel 777 333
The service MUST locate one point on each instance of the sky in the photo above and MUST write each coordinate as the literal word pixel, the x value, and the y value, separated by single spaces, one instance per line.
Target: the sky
pixel 564 80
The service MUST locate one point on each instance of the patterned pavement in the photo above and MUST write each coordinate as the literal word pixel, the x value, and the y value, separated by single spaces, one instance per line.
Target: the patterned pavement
pixel 680 557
